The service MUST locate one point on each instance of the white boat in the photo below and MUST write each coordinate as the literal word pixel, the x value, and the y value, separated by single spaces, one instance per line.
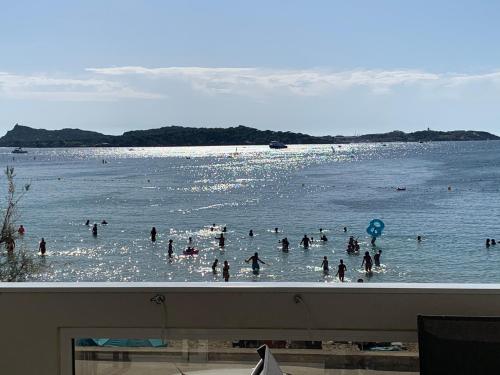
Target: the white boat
pixel 19 150
pixel 276 144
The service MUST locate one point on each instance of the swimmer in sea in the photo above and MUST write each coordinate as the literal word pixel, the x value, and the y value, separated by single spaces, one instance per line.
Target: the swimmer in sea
pixel 94 230
pixel 250 233
pixel 87 222
pixel 419 238
pixel 324 264
pixel 305 241
pixel 285 244
pixel 255 262
pixel 376 258
pixel 367 262
pixel 104 222
pixel 212 228
pixel 356 246
pixel 275 230
pixel 493 242
pixel 487 242
pixel 170 248
pixel 190 240
pixel 224 229
pixel 214 266
pixel 373 241
pixel 323 238
pixel 21 230
pixel 345 229
pixel 225 271
pixel 153 234
pixel 341 271
pixel 42 246
pixel 221 240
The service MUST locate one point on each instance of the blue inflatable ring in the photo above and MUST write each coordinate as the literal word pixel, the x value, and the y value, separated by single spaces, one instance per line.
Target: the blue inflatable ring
pixel 375 228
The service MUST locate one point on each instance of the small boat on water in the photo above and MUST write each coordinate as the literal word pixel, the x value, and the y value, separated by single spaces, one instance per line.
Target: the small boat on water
pixel 277 145
pixel 19 150
pixel 401 188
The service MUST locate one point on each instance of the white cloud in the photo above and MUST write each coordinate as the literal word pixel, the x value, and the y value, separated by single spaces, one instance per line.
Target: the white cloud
pixel 253 80
pixel 44 87
pixel 136 82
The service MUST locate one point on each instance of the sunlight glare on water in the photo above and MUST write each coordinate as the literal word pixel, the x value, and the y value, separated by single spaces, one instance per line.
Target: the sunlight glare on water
pixel 183 190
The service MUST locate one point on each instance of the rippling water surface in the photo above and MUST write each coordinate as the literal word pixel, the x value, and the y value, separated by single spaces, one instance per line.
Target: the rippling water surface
pixel 182 191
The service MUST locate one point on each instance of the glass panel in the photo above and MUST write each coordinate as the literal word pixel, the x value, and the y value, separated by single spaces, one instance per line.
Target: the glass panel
pixel 104 356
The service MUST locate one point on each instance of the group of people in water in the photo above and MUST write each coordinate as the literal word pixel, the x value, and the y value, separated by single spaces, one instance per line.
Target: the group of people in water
pixel 491 242
pixel 256 261
pixel 10 243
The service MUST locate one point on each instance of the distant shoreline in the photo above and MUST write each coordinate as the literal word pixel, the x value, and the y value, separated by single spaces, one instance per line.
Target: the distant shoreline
pixel 177 136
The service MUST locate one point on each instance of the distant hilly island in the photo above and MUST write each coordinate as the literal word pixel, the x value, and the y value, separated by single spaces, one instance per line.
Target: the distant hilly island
pixel 25 136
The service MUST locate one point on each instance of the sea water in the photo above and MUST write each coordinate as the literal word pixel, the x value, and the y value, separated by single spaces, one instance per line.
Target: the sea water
pixel 451 200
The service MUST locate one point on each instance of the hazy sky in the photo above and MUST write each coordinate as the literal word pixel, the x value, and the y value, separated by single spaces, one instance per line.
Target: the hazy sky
pixel 321 67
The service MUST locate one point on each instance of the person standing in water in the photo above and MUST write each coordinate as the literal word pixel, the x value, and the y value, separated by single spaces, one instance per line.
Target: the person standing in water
pixel 153 234
pixel 255 262
pixel 324 264
pixel 21 230
pixel 367 262
pixel 94 230
pixel 224 229
pixel 42 247
pixel 305 241
pixel 221 240
pixel 250 233
pixel 214 266
pixel 170 248
pixel 225 271
pixel 487 242
pixel 285 244
pixel 376 258
pixel 276 230
pixel 87 222
pixel 341 270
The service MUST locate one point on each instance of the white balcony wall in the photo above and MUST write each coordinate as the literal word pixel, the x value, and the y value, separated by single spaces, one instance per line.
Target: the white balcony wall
pixel 39 319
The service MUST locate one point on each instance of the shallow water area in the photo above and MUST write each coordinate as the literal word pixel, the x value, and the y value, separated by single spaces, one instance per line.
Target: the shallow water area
pixel 182 191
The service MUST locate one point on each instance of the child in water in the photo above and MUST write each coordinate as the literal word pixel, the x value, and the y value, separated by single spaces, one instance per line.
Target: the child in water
pixel 324 264
pixel 42 246
pixel 170 248
pixel 225 271
pixel 214 266
pixel 255 262
pixel 341 270
pixel 376 258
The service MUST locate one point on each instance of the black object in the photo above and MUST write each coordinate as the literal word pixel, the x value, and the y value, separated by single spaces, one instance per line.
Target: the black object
pixel 459 345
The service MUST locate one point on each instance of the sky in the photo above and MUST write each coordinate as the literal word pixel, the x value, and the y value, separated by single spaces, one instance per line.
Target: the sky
pixel 318 67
